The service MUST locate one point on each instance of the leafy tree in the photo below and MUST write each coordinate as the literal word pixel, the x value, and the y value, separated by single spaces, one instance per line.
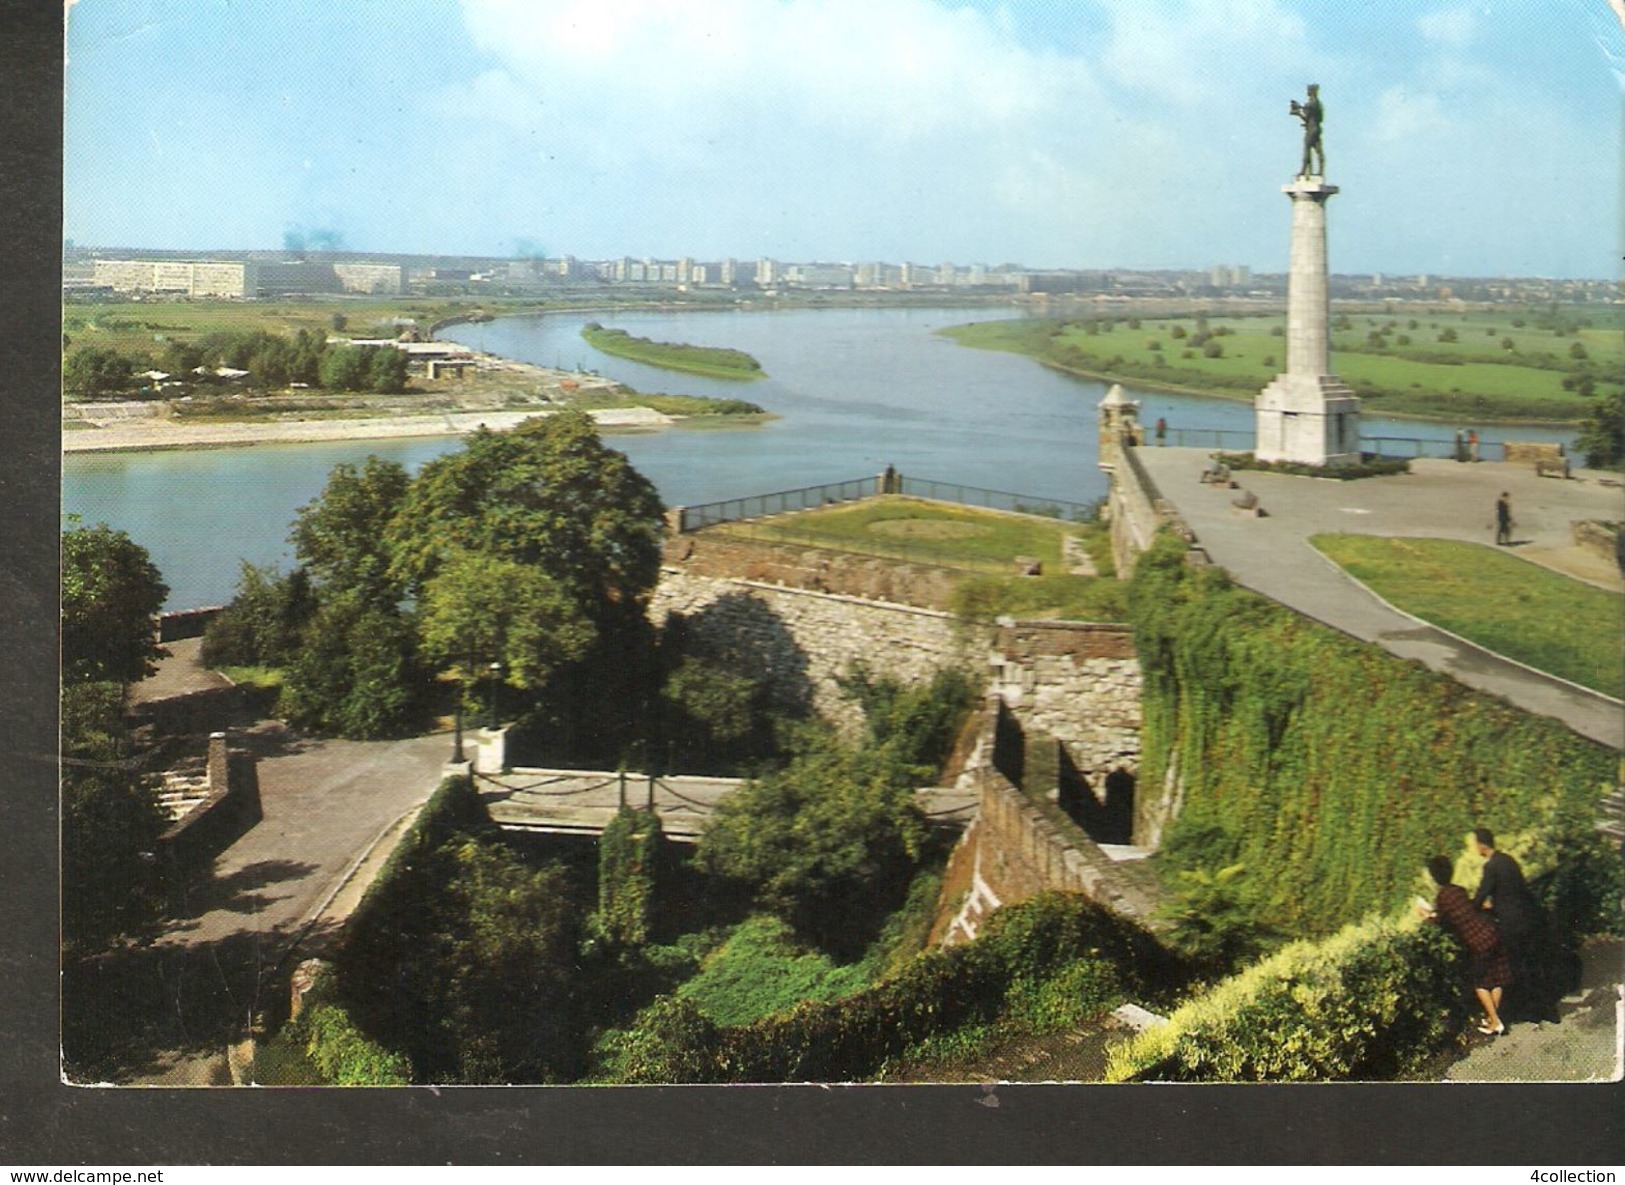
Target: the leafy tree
pixel 482 608
pixel 180 358
pixel 823 840
pixel 91 371
pixel 709 713
pixel 263 624
pixel 386 371
pixel 342 536
pixel 546 494
pixel 1578 351
pixel 345 368
pixel 111 822
pixel 1213 349
pixel 111 594
pixel 1447 334
pixel 356 674
pixel 916 722
pixel 1602 433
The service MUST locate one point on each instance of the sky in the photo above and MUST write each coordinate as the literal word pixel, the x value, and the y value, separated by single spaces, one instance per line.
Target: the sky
pixel 1467 138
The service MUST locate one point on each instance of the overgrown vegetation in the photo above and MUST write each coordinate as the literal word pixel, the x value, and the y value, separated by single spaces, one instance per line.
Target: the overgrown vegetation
pixel 1503 603
pixel 712 361
pixel 1328 761
pixel 1047 963
pixel 830 841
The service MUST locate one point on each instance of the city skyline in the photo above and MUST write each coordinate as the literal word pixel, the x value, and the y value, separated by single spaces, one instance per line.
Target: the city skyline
pixel 1097 135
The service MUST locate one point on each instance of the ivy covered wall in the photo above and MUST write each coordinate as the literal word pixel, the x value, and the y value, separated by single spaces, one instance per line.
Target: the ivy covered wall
pixel 1330 767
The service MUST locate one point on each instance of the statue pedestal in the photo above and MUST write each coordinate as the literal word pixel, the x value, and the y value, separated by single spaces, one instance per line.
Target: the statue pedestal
pixel 1311 420
pixel 1308 415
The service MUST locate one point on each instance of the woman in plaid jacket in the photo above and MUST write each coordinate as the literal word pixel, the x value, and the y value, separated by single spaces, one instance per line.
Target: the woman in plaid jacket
pixel 1487 960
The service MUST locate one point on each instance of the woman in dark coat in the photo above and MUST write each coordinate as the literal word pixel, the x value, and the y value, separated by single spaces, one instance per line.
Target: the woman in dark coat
pixel 1487 961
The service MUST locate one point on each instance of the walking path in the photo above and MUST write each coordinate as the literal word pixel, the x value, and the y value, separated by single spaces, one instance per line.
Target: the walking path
pixel 330 813
pixel 1438 499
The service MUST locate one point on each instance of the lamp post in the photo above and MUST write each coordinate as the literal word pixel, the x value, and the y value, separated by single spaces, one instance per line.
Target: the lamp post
pixel 496 678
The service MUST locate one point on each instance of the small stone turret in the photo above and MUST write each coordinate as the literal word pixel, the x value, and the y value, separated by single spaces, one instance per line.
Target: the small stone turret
pixel 1119 425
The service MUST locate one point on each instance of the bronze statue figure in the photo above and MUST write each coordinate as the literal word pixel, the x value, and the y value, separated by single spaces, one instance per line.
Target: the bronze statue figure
pixel 1311 114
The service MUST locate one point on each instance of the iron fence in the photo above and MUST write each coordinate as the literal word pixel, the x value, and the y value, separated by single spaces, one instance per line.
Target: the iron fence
pixel 947 491
pixel 759 505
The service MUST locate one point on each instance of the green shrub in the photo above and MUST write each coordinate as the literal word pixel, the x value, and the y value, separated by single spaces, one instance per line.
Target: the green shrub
pixel 1373 1000
pixel 323 1047
pixel 628 854
pixel 1025 962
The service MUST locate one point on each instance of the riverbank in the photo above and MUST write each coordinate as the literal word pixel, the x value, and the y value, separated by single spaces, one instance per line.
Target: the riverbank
pixel 500 394
pixel 1449 381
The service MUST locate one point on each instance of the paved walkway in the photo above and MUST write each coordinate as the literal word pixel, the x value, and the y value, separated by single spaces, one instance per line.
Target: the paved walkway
pixel 327 807
pixel 1438 499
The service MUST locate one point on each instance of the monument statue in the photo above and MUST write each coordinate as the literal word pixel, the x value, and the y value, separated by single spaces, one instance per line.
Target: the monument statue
pixel 1311 114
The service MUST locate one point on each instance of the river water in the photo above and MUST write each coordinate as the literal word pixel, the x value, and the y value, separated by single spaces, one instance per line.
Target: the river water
pixel 855 390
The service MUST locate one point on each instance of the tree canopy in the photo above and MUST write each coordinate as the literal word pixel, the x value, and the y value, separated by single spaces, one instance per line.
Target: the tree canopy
pixel 341 536
pixel 547 494
pixel 478 608
pixel 111 593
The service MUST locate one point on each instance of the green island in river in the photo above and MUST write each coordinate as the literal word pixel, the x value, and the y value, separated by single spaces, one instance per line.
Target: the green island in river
pixel 712 361
pixel 1480 366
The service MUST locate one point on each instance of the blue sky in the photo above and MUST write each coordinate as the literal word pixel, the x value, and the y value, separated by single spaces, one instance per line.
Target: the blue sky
pixel 1468 138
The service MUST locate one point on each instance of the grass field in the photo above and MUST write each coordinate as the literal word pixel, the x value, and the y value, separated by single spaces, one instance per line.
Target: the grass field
pixel 143 327
pixel 711 361
pixel 1548 621
pixel 1501 365
pixel 983 544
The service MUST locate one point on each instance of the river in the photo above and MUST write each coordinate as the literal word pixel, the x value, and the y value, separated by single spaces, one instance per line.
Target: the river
pixel 855 389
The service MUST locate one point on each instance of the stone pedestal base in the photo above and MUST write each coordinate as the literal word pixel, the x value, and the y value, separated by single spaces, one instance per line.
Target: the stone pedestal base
pixel 491 751
pixel 1308 420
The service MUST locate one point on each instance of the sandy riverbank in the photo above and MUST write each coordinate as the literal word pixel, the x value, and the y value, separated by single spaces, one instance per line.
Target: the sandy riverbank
pixel 147 435
pixel 482 401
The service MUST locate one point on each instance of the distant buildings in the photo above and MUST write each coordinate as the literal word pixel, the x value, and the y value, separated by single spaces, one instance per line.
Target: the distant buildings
pixel 250 274
pixel 244 279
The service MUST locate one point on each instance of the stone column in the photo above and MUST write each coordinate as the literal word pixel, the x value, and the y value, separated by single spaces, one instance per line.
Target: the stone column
pixel 1308 415
pixel 1308 332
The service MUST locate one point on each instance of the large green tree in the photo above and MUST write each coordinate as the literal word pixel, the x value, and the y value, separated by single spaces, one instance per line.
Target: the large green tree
pixel 342 536
pixel 477 609
pixel 111 822
pixel 356 673
pixel 1602 435
pixel 547 494
pixel 111 594
pixel 823 840
pixel 92 371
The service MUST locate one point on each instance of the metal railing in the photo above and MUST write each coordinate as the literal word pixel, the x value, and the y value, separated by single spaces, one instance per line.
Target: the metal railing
pixel 780 502
pixel 1415 446
pixel 1230 440
pixel 948 491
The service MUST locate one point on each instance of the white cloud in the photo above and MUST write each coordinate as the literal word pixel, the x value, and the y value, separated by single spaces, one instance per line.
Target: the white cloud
pixel 1453 28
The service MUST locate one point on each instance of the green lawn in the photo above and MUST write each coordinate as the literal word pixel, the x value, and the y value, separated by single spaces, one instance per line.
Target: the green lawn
pixel 1475 378
pixel 1513 607
pixel 984 544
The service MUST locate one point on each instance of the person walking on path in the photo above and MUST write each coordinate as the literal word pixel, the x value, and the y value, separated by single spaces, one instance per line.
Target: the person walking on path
pixel 1504 894
pixel 1503 520
pixel 1162 431
pixel 1461 447
pixel 1472 444
pixel 1487 963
